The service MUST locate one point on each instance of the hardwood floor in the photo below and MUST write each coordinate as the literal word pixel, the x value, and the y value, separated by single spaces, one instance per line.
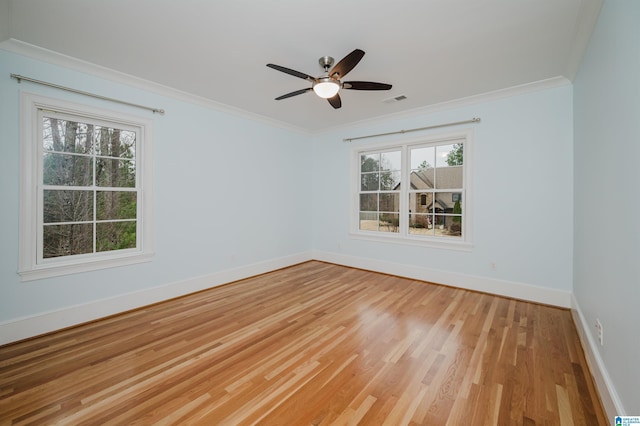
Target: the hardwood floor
pixel 312 344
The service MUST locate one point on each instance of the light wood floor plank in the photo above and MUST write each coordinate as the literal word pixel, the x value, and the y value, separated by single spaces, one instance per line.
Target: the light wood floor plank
pixel 313 344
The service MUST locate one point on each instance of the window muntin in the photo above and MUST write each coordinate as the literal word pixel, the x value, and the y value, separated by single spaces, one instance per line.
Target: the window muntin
pixel 85 199
pixel 379 197
pixel 437 170
pixel 431 203
pixel 89 186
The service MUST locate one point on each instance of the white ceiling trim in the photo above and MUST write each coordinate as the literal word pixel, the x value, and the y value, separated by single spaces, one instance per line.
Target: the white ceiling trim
pixel 52 57
pixel 589 12
pixel 549 83
pixel 55 58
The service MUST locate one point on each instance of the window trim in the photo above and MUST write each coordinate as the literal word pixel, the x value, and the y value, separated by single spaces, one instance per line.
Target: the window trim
pixel 463 244
pixel 30 266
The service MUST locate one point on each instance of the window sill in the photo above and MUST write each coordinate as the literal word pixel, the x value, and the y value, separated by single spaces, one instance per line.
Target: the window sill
pixel 435 242
pixel 55 270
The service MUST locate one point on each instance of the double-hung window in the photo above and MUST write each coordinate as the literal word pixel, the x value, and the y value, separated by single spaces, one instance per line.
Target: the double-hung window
pixel 416 192
pixel 85 190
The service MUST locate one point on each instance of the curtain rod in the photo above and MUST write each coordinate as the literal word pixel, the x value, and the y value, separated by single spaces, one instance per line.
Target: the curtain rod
pixel 473 120
pixel 93 95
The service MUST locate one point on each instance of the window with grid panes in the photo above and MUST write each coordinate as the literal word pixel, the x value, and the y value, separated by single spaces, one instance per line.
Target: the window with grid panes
pixel 416 192
pixel 84 176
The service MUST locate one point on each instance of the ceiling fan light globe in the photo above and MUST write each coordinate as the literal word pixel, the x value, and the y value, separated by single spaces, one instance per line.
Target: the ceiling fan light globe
pixel 326 88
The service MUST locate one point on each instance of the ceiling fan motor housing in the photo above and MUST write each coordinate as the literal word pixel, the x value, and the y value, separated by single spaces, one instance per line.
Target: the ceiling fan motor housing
pixel 326 62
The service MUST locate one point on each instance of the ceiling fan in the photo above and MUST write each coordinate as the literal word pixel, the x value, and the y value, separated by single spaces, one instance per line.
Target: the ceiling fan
pixel 328 85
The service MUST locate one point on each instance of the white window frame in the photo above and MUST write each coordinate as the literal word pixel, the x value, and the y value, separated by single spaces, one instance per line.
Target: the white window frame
pixel 464 243
pixel 32 265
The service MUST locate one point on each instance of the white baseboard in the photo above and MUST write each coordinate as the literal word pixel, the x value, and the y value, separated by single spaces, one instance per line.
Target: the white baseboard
pixel 547 296
pixel 23 328
pixel 34 325
pixel 608 395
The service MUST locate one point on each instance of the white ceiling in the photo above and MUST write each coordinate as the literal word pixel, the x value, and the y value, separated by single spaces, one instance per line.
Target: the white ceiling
pixel 431 51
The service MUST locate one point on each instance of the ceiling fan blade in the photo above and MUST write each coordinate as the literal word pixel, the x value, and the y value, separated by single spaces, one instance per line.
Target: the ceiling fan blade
pixel 291 72
pixel 346 64
pixel 365 85
pixel 296 93
pixel 335 102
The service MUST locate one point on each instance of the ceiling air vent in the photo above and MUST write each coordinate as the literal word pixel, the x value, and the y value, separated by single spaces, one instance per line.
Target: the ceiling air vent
pixel 395 99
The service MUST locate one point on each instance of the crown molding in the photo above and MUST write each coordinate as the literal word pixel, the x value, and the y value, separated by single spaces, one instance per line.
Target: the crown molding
pixel 536 86
pixel 55 58
pixel 587 20
pixel 59 59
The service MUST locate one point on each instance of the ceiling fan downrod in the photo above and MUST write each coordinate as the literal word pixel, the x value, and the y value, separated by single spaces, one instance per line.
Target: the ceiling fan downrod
pixel 326 62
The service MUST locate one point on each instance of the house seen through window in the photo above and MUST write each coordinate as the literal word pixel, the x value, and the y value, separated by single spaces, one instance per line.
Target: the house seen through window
pixel 414 191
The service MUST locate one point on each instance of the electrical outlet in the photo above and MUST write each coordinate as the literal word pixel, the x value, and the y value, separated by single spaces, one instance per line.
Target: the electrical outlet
pixel 599 332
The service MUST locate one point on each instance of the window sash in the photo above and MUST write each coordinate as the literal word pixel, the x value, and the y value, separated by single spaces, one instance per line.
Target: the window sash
pixel 92 187
pixel 405 233
pixel 33 264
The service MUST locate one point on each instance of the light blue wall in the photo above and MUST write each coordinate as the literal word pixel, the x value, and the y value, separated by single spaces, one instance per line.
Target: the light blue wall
pixel 226 193
pixel 231 191
pixel 522 191
pixel 607 229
